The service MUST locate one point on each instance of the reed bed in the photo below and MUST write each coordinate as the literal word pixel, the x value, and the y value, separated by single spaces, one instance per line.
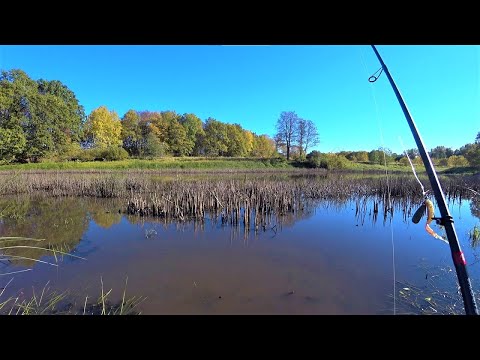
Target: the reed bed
pixel 250 200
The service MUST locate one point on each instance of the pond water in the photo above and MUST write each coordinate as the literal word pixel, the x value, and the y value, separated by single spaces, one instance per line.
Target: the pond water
pixel 325 259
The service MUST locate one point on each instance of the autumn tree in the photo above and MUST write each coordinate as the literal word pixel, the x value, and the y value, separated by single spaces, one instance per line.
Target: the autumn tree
pixel 236 141
pixel 194 132
pixel 359 156
pixel 287 129
pixel 457 160
pixel 103 128
pixel 263 146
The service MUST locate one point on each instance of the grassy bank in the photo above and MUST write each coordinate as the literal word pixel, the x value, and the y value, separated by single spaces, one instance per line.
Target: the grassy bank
pixel 202 163
pixel 162 163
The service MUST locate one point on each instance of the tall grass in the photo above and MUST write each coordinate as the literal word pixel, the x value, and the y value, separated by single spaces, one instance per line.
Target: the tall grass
pixel 52 302
pixel 235 199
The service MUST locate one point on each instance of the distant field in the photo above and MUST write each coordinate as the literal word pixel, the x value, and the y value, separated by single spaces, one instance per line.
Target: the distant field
pixel 163 163
pixel 199 163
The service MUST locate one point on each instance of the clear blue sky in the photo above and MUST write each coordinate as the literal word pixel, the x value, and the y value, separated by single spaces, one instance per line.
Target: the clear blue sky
pixel 251 85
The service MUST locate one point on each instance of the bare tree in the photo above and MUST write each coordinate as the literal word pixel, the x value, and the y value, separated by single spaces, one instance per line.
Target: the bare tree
pixel 287 129
pixel 301 135
pixel 311 135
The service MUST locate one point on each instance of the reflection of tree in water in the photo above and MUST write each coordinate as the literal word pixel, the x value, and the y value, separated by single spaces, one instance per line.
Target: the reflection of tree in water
pixel 60 221
pixel 104 213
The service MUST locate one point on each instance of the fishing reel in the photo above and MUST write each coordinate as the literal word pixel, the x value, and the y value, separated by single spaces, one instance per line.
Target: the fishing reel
pixel 427 206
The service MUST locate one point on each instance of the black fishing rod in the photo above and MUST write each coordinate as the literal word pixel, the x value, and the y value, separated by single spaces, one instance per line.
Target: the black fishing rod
pixel 446 219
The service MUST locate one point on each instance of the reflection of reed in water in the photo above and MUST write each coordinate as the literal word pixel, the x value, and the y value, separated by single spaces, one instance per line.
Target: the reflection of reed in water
pixel 252 204
pixel 257 222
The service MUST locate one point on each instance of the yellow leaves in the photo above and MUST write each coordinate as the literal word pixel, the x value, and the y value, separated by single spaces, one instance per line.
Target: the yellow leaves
pixel 104 127
pixel 249 138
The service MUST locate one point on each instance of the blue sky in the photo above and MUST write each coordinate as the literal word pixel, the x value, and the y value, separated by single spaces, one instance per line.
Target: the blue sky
pixel 252 85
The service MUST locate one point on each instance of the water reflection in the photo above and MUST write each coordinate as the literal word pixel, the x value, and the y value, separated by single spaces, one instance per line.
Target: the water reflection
pixel 475 206
pixel 59 222
pixel 326 256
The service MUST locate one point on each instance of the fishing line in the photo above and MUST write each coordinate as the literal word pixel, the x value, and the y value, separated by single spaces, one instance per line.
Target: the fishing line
pixel 371 80
pixel 411 164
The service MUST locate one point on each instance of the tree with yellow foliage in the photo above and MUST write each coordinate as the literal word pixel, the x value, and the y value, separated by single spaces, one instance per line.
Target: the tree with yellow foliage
pixel 103 128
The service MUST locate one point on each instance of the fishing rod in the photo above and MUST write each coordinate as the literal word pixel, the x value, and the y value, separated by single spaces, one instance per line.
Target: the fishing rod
pixel 446 219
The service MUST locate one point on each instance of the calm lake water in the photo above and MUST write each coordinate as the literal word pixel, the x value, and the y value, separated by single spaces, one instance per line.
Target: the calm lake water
pixel 324 260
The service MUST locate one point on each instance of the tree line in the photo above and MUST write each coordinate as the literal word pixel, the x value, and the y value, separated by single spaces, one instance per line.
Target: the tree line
pixel 44 120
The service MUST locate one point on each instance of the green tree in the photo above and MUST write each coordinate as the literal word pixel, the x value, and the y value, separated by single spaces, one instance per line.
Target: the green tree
pixel 12 144
pixel 73 114
pixel 464 149
pixel 413 153
pixel 47 112
pixel 153 147
pixel 473 155
pixel 441 152
pixel 380 156
pixel 177 140
pixel 132 133
pixel 215 142
pixel 103 128
pixel 236 141
pixel 194 132
pixel 472 152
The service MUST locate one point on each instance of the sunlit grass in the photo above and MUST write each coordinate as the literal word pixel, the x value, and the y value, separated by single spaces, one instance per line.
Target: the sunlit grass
pixel 51 302
pixel 200 163
pixel 162 163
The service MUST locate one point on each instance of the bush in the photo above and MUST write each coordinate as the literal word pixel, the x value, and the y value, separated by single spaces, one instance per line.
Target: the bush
pixel 327 161
pixel 114 153
pixel 457 160
pixel 442 162
pixel 278 161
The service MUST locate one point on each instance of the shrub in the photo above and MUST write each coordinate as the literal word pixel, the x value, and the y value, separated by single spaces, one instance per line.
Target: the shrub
pixel 327 161
pixel 114 153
